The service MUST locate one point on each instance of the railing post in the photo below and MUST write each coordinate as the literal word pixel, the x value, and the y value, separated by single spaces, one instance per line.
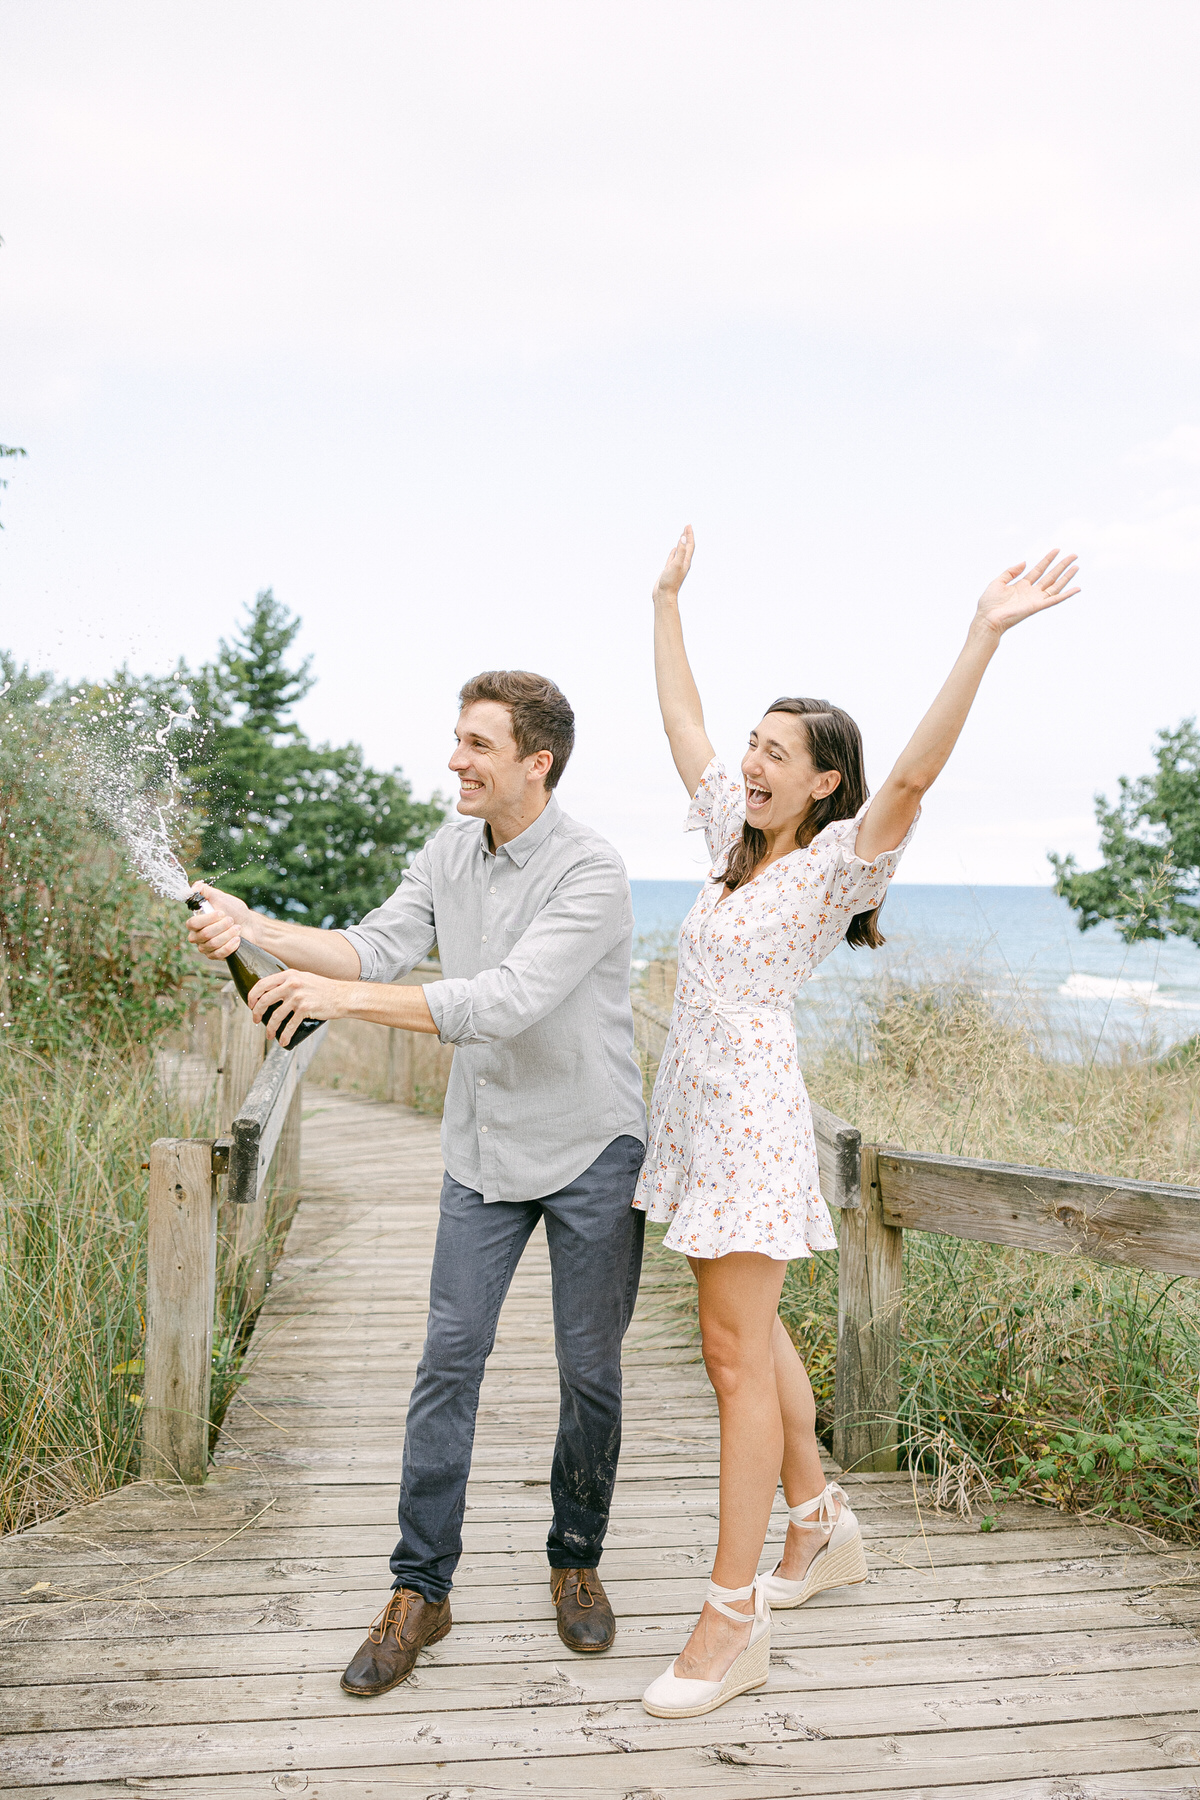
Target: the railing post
pixel 181 1258
pixel 870 1288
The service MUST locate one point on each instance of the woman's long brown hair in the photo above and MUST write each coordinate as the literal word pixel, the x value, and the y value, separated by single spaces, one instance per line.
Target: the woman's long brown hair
pixel 834 742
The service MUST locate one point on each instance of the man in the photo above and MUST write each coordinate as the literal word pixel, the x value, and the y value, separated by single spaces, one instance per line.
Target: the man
pixel 544 1119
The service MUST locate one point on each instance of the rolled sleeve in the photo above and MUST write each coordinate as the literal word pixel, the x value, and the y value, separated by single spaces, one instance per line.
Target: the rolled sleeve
pixel 587 915
pixel 449 1003
pixel 394 937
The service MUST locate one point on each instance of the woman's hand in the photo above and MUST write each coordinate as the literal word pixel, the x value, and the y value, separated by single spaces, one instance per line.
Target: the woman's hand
pixel 218 933
pixel 1014 596
pixel 678 698
pixel 676 568
pixel 299 994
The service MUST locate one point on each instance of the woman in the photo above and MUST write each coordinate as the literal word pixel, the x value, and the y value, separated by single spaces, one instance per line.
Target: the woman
pixel 800 860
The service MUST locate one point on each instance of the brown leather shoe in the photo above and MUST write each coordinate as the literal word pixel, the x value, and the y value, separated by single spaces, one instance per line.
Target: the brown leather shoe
pixel 407 1623
pixel 585 1618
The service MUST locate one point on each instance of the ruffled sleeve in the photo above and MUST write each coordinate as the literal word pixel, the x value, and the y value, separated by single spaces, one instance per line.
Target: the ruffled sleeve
pixel 718 809
pixel 851 885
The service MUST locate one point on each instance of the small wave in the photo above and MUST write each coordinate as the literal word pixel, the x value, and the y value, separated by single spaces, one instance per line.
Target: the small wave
pixel 1116 987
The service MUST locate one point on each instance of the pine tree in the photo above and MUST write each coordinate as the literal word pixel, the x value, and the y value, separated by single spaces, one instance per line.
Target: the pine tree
pixel 297 830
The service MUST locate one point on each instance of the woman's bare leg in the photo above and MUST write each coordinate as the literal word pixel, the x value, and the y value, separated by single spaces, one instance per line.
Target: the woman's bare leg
pixel 803 1476
pixel 739 1298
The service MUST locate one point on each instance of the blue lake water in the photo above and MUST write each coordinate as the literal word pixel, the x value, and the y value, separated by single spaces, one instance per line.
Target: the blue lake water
pixel 1079 990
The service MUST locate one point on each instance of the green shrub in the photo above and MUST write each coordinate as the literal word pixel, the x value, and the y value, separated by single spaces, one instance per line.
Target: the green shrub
pixel 89 956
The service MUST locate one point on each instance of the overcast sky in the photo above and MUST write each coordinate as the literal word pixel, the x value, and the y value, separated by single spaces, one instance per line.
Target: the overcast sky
pixel 443 320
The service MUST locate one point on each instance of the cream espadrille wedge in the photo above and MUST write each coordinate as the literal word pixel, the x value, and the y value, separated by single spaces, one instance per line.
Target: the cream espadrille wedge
pixel 672 1697
pixel 839 1563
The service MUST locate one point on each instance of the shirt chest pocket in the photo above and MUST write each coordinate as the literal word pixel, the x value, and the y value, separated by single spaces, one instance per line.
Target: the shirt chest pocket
pixel 499 936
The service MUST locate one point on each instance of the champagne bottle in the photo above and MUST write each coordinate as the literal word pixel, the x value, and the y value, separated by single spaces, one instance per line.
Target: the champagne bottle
pixel 248 965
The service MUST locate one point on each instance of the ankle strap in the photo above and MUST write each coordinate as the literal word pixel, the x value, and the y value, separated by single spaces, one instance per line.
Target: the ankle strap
pixel 717 1596
pixel 821 1504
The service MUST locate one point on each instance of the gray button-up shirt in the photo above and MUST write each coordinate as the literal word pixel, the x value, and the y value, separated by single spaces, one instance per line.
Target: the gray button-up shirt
pixel 535 942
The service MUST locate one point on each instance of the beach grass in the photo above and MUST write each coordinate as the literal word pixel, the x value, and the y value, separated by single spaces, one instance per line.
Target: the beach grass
pixel 1052 1377
pixel 75 1133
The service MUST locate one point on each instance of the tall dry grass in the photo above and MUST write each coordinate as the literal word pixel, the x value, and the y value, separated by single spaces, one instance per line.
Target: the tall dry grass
pixel 1022 1373
pixel 74 1134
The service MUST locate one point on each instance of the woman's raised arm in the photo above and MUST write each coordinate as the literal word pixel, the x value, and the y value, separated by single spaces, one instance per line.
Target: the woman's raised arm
pixel 678 696
pixel 1013 596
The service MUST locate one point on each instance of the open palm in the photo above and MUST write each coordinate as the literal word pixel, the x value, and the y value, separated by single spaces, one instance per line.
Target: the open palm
pixel 1013 595
pixel 678 564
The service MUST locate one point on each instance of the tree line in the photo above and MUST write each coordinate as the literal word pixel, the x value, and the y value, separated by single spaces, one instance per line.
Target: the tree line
pixel 297 829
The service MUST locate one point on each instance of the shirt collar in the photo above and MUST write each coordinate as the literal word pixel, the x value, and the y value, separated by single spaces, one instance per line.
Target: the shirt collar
pixel 519 849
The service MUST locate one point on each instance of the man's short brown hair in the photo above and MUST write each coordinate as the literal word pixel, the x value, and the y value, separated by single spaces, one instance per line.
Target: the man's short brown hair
pixel 541 716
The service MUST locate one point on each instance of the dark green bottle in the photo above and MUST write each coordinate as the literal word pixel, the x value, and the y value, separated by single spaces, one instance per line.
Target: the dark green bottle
pixel 248 965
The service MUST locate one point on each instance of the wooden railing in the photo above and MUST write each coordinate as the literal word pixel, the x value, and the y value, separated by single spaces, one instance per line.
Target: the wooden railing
pixel 882 1192
pixel 192 1181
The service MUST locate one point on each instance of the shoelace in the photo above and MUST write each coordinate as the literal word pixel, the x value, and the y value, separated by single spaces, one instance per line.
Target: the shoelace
pixel 582 1587
pixel 401 1599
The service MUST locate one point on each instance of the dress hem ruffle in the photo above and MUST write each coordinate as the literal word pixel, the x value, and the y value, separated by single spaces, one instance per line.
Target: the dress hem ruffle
pixel 797 1247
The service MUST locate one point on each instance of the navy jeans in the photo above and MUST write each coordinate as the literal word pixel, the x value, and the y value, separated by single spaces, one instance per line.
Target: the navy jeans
pixel 595 1240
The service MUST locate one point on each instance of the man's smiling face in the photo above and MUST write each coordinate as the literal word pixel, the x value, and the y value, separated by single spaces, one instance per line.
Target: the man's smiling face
pixel 491 777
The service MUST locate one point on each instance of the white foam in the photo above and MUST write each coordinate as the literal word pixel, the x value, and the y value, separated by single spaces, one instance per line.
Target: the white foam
pixel 1117 987
pixel 132 781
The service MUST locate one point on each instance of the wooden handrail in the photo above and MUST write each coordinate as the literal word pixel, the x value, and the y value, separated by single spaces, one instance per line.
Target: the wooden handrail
pixel 1135 1224
pixel 839 1157
pixel 260 1119
pixel 1140 1224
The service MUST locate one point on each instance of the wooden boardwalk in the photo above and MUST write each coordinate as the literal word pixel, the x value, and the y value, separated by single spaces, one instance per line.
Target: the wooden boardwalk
pixel 174 1644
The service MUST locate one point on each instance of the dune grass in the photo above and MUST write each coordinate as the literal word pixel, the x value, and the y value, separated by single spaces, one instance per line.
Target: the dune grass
pixel 74 1134
pixel 1052 1377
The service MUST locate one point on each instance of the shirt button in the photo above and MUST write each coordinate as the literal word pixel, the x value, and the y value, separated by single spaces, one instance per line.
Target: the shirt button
pixel 483 1081
pixel 483 1128
pixel 483 939
pixel 491 890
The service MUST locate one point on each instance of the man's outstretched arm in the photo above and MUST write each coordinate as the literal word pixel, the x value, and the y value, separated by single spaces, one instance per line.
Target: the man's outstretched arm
pixel 311 996
pixel 323 979
pixel 217 934
pixel 579 924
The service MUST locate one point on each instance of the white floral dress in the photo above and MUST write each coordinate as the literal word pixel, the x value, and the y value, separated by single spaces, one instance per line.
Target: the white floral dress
pixel 731 1160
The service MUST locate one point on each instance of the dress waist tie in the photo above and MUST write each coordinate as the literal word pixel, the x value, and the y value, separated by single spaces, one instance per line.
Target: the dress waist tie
pixel 730 1012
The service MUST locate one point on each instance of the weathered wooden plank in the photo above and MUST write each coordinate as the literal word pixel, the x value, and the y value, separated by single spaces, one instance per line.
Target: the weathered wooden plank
pixel 1056 1762
pixel 497 1555
pixel 870 1290
pixel 1142 1225
pixel 251 1220
pixel 181 1249
pixel 888 1624
pixel 260 1120
pixel 953 1664
pixel 839 1157
pixel 243 1046
pixel 374 1735
pixel 182 1607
